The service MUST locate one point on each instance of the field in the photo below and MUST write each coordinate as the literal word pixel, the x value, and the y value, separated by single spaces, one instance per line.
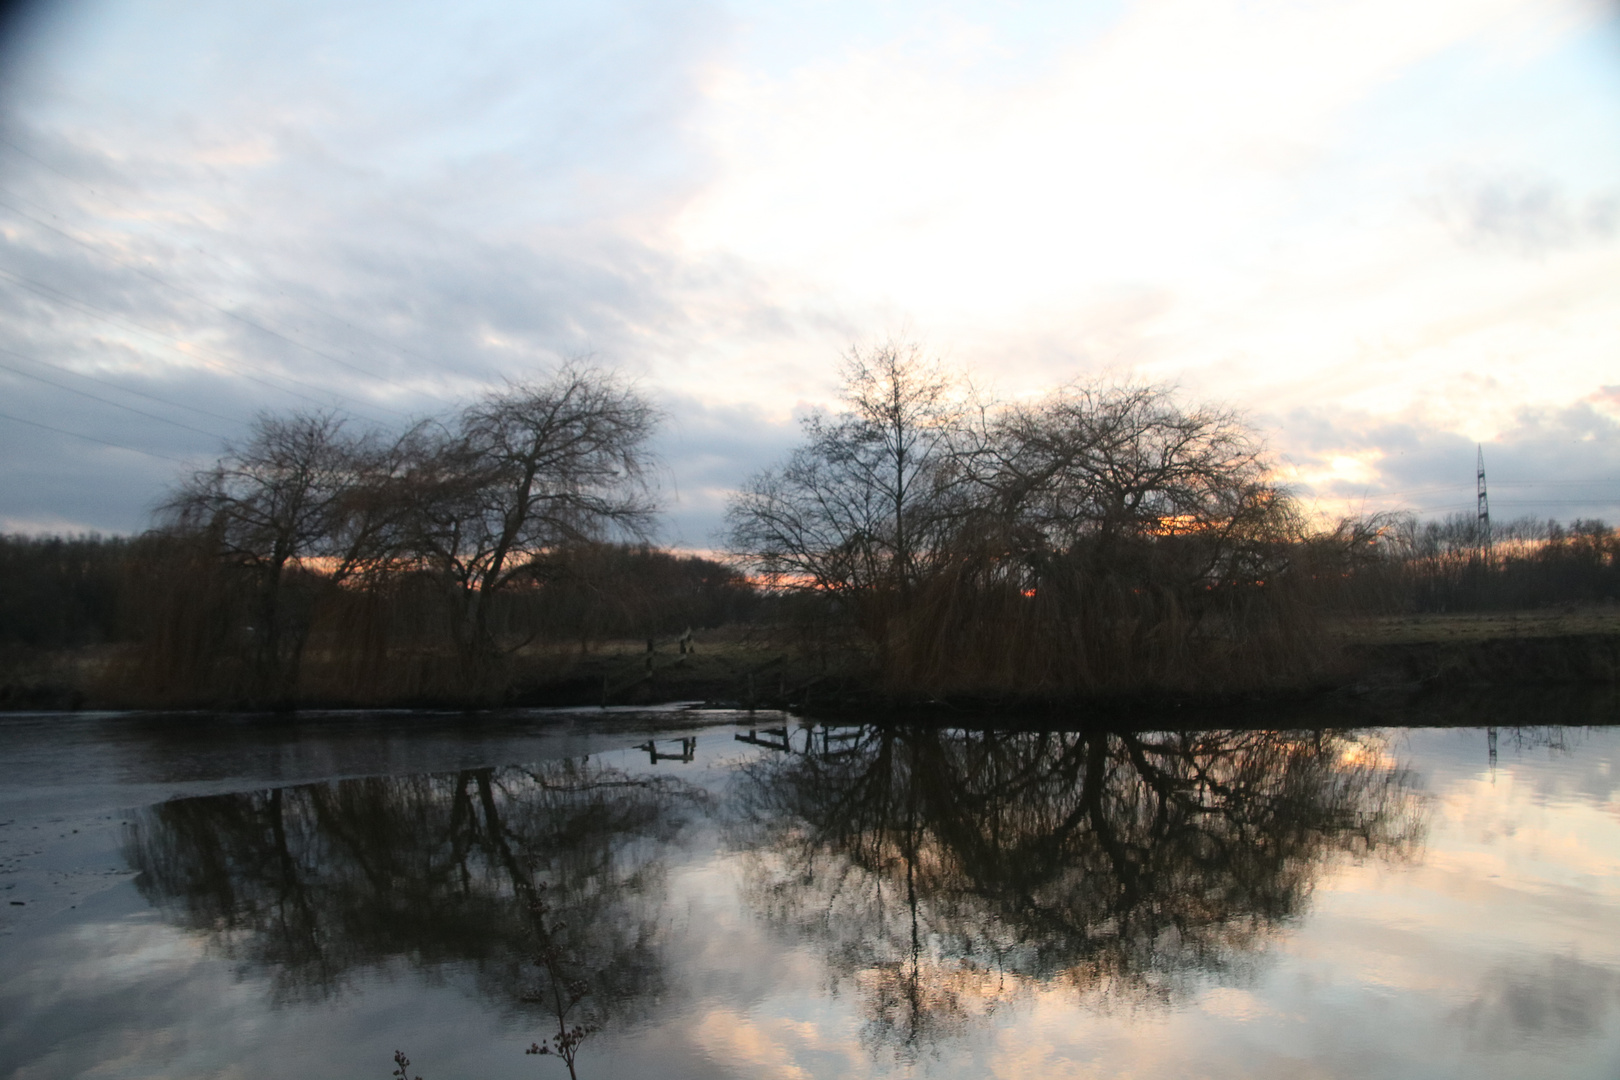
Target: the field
pixel 1442 628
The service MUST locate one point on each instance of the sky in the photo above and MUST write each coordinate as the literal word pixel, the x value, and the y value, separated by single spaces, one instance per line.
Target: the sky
pixel 1386 232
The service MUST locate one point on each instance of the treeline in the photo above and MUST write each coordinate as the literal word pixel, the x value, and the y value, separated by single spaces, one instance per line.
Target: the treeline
pixel 1104 539
pixel 63 592
pixel 1454 564
pixel 180 622
pixel 321 560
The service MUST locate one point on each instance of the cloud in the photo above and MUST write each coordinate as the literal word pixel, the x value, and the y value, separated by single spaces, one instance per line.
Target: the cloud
pixel 1550 462
pixel 387 210
pixel 710 450
pixel 1557 998
pixel 279 254
pixel 1524 215
pixel 1606 397
pixel 904 169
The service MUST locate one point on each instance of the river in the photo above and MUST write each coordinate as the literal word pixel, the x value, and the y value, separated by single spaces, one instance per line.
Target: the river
pixel 686 894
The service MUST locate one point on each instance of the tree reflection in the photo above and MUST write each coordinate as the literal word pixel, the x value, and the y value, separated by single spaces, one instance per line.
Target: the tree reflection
pixel 945 874
pixel 948 872
pixel 548 880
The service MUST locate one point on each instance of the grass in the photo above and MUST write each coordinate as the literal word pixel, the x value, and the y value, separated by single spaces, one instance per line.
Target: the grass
pixel 1462 627
pixel 721 667
pixel 736 665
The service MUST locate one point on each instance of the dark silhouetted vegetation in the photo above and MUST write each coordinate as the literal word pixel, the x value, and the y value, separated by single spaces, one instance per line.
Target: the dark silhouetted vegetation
pixel 1105 540
pixel 1448 566
pixel 320 561
pixel 441 523
pixel 61 592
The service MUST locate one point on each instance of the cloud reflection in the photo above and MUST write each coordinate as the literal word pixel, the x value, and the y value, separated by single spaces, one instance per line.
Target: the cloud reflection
pixel 945 875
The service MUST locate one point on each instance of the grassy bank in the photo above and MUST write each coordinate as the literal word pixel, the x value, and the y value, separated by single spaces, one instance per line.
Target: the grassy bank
pixel 1567 646
pixel 1563 621
pixel 752 666
pixel 739 669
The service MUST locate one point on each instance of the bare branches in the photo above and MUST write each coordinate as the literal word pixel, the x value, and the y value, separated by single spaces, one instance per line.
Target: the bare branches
pixel 862 505
pixel 883 493
pixel 1078 539
pixel 294 491
pixel 542 463
pixel 1108 461
pixel 528 468
pixel 269 500
pixel 469 505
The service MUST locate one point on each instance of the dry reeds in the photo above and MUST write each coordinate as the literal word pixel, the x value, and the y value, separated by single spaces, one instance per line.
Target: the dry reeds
pixel 1067 629
pixel 387 638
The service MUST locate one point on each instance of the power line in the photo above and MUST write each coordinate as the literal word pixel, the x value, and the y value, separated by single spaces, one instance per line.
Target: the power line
pixel 118 386
pixel 1462 506
pixel 231 364
pixel 182 241
pixel 193 296
pixel 114 404
pixel 91 438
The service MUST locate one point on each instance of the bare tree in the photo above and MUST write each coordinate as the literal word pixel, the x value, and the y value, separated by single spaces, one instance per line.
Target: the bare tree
pixel 266 507
pixel 1107 463
pixel 1074 541
pixel 1118 539
pixel 861 507
pixel 529 467
pixel 368 532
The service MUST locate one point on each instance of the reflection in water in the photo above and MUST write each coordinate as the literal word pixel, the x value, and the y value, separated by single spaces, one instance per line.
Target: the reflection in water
pixel 943 874
pixel 1550 999
pixel 947 872
pixel 548 880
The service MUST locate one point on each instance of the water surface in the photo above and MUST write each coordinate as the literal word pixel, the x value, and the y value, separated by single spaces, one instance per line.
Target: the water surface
pixel 750 896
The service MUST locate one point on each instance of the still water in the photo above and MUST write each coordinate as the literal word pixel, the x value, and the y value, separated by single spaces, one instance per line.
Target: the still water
pixel 723 895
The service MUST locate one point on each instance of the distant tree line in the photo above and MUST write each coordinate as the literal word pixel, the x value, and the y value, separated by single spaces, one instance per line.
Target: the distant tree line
pixel 1106 538
pixel 62 592
pixel 1452 564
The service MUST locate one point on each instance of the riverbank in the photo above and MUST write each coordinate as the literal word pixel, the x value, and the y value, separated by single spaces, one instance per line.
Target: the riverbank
pixel 1385 656
pixel 735 668
pixel 1534 648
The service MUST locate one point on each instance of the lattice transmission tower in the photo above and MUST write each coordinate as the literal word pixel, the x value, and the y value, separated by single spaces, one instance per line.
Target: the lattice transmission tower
pixel 1484 504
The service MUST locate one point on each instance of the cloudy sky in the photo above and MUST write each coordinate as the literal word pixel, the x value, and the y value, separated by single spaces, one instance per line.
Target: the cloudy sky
pixel 1386 230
